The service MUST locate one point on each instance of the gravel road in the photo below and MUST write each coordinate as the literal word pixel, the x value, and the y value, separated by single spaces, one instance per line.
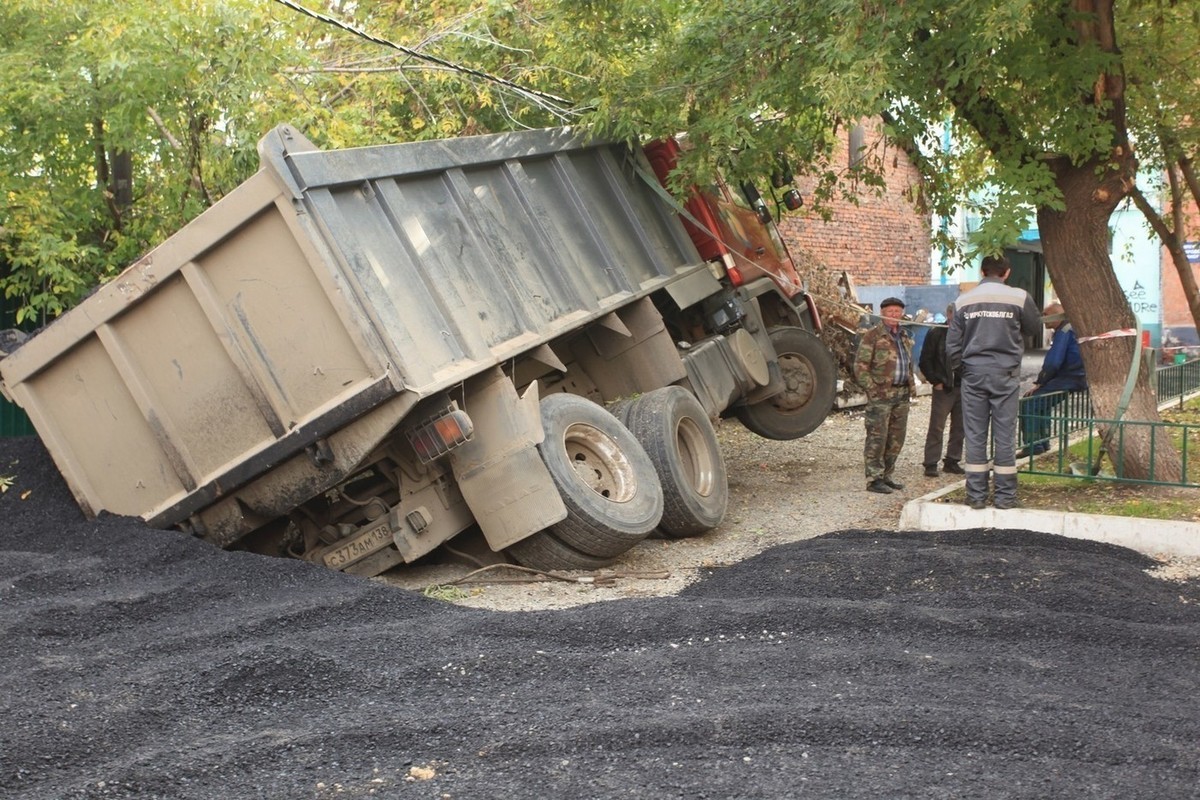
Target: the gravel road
pixel 780 492
pixel 860 663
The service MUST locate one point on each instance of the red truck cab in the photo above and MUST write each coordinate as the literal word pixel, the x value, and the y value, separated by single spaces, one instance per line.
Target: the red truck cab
pixel 733 230
pixel 727 230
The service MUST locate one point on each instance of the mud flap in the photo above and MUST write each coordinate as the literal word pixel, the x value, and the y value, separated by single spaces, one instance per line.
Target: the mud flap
pixel 499 472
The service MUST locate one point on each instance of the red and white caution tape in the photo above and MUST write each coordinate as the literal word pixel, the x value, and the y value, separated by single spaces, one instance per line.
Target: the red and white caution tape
pixel 1109 335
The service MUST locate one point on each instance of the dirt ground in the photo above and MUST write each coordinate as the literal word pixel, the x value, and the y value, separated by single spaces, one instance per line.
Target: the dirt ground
pixel 780 492
pixel 792 662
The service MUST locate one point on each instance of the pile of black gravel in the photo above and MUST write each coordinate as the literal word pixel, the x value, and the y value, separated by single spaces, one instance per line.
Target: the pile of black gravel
pixel 143 664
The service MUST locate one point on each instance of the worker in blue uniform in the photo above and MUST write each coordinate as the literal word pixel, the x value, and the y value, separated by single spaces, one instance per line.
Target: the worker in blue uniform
pixel 1062 371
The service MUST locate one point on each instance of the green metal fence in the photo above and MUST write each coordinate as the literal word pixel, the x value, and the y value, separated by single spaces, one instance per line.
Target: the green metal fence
pixel 1178 381
pixel 13 421
pixel 1082 453
pixel 1075 437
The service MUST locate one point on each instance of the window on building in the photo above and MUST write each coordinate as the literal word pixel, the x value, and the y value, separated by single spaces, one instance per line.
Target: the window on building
pixel 858 145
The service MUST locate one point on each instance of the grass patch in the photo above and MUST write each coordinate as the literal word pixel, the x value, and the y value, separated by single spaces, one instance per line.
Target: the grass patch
pixel 1087 495
pixel 1090 496
pixel 449 594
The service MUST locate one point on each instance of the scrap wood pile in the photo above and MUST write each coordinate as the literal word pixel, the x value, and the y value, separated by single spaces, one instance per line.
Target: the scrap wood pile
pixel 842 316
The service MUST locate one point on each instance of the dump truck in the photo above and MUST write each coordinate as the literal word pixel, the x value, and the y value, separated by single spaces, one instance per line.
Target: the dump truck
pixel 359 354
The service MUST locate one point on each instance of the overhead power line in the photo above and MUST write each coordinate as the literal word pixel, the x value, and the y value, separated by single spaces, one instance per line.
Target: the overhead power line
pixel 516 87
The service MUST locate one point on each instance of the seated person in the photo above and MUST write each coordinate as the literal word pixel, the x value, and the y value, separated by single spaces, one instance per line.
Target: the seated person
pixel 1062 371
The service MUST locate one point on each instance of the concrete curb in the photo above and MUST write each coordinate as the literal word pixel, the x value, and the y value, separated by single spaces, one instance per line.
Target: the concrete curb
pixel 1154 537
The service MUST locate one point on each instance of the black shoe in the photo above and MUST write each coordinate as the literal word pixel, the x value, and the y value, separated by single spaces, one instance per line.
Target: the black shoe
pixel 977 504
pixel 931 472
pixel 892 483
pixel 1035 450
pixel 1003 505
pixel 952 468
pixel 879 486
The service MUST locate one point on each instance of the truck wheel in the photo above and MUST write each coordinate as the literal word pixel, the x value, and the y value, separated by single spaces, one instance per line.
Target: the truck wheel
pixel 544 552
pixel 811 382
pixel 680 440
pixel 607 482
pixel 620 409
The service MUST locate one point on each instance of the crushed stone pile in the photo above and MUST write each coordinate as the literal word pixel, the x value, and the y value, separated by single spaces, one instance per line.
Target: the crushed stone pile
pixel 145 664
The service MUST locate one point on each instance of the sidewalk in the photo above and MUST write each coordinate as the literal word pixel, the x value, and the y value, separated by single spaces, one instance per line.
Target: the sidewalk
pixel 1154 537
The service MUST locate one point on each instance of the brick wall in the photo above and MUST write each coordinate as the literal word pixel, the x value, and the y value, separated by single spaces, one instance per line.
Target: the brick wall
pixel 881 241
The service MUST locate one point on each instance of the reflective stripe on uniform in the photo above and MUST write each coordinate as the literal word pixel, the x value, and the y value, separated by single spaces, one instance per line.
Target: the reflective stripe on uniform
pixel 978 467
pixel 999 470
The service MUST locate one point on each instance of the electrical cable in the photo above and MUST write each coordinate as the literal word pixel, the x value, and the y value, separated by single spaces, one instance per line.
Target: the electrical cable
pixel 516 87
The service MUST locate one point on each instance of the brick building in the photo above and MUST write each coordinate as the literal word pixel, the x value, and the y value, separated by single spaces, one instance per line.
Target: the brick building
pixel 885 238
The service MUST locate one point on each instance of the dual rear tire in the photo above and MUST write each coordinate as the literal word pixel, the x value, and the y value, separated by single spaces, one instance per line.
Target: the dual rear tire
pixel 606 480
pixel 682 444
pixel 653 462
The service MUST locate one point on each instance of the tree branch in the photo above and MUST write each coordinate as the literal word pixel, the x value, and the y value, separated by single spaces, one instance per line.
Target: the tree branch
pixel 162 128
pixel 1171 240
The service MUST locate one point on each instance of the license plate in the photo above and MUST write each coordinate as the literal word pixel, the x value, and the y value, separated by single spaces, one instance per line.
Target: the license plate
pixel 358 548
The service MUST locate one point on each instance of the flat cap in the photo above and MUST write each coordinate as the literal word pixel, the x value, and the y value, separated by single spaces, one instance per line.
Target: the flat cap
pixel 892 301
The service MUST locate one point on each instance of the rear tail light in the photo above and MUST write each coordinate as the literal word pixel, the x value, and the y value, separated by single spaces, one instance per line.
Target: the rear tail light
pixel 437 437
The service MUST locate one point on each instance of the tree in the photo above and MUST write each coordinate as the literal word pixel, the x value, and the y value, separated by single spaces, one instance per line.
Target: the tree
pixel 120 121
pixel 390 72
pixel 1035 89
pixel 1164 96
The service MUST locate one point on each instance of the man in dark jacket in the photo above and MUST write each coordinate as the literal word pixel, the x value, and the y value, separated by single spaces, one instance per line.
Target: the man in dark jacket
pixel 986 337
pixel 1062 371
pixel 944 402
pixel 883 367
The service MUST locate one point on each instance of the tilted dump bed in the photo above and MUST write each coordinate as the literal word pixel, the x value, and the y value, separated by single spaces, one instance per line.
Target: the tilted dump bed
pixel 329 285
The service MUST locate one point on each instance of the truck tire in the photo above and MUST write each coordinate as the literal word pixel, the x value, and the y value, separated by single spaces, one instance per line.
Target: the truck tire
pixel 543 552
pixel 620 409
pixel 680 440
pixel 607 482
pixel 811 382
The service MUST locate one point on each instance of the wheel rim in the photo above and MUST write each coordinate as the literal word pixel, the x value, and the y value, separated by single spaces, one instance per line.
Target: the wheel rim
pixel 695 457
pixel 799 378
pixel 599 463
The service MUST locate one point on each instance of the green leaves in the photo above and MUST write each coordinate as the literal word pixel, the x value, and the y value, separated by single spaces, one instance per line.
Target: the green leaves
pixel 169 83
pixel 187 89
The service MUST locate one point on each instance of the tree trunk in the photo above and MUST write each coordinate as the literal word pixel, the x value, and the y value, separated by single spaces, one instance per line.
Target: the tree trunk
pixel 1076 245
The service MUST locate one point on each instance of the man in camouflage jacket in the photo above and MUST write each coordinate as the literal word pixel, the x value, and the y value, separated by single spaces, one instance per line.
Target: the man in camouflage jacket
pixel 883 367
